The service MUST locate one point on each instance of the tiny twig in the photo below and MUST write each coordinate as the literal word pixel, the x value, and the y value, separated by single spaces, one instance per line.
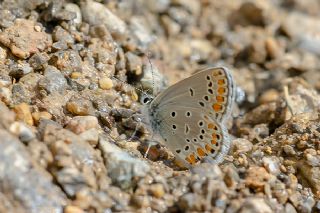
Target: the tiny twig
pixel 288 99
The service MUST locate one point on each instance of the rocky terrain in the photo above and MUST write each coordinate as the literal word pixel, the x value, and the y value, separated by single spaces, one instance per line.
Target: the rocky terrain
pixel 70 73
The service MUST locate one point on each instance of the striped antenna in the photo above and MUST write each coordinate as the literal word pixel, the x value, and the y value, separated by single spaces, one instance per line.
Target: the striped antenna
pixel 153 84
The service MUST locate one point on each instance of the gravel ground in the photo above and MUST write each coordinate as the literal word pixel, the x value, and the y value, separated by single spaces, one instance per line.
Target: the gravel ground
pixel 69 73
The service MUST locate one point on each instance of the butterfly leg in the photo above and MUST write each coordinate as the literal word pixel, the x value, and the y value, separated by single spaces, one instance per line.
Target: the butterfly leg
pixel 148 149
pixel 150 143
pixel 139 124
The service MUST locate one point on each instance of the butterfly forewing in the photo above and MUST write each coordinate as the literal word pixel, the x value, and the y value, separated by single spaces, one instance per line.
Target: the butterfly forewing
pixel 211 91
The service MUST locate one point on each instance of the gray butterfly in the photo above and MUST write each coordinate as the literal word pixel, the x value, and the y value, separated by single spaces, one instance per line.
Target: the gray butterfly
pixel 190 116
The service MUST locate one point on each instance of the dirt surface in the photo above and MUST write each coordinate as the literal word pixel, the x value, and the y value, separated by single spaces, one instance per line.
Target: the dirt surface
pixel 70 74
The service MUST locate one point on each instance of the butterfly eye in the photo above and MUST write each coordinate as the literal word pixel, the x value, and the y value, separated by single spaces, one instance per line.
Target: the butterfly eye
pixel 145 99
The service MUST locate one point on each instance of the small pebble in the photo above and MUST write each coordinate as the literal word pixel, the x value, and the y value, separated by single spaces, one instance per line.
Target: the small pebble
pixel 105 83
pixel 289 208
pixel 37 28
pixel 104 16
pixel 73 209
pixel 91 136
pixel 24 133
pixel 257 177
pixel 75 75
pixel 269 96
pixel 75 9
pixel 273 49
pixel 5 95
pixel 242 145
pixel 80 107
pixel 41 115
pixel 271 164
pixel 80 124
pixel 157 190
pixel 23 113
pixel 53 81
pixel 141 201
pixel 289 150
pixel 134 96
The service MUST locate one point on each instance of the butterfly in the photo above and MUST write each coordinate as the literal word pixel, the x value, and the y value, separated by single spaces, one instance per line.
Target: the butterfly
pixel 190 116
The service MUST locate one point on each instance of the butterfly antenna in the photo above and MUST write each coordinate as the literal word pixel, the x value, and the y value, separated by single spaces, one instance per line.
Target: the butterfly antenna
pixel 153 84
pixel 136 129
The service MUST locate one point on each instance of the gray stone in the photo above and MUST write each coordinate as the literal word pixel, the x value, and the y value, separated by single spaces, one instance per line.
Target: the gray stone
pixel 241 145
pixel 91 136
pixel 122 168
pixel 18 183
pixel 75 163
pixel 102 15
pixel 257 205
pixel 74 9
pixel 271 164
pixel 79 124
pixel 289 208
pixel 53 81
pixel 38 60
pixel 158 5
pixel 142 34
pixel 60 34
pixel 6 116
pixel 21 130
pixel 20 69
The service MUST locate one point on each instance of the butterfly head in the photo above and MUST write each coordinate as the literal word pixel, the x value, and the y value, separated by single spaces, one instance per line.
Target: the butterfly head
pixel 146 99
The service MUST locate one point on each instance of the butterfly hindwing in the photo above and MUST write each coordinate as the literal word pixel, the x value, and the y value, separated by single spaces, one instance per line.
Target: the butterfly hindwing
pixel 193 136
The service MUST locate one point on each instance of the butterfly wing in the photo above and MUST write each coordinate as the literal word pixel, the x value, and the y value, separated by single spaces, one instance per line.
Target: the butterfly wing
pixel 211 91
pixel 190 115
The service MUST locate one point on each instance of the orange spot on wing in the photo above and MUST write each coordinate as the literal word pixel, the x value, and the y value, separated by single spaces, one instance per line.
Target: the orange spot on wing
pixel 216 107
pixel 221 90
pixel 221 82
pixel 188 159
pixel 217 72
pixel 211 126
pixel 214 136
pixel 208 147
pixel 220 98
pixel 214 139
pixel 201 152
pixel 192 158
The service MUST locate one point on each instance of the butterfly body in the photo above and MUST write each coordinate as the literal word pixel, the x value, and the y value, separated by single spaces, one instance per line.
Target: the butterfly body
pixel 190 116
